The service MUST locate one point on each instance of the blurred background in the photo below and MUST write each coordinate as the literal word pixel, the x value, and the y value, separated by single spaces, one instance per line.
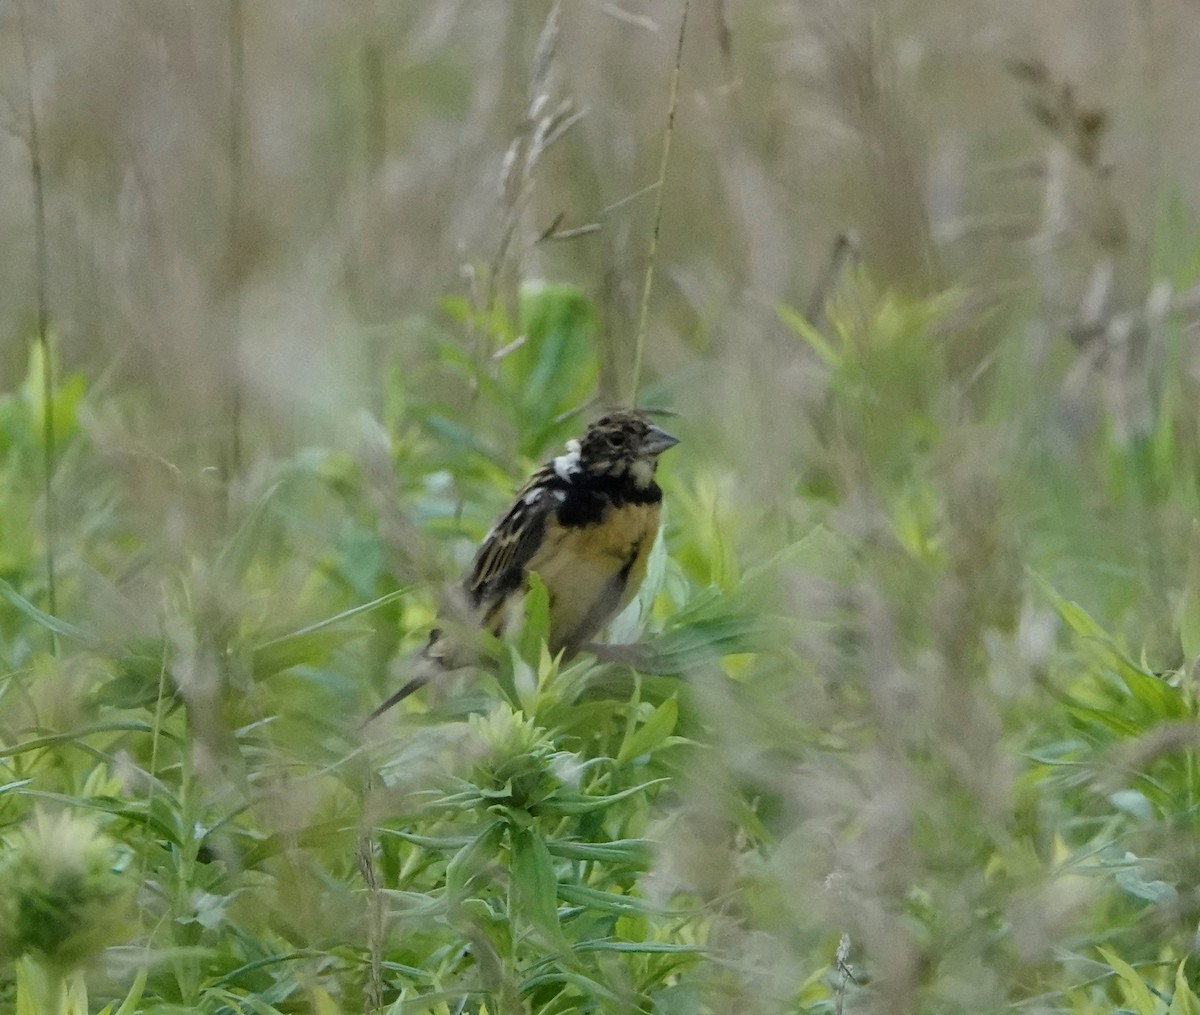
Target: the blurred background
pixel 924 304
pixel 267 192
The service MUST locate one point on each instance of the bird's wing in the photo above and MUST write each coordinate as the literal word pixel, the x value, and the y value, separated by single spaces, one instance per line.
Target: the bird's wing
pixel 500 564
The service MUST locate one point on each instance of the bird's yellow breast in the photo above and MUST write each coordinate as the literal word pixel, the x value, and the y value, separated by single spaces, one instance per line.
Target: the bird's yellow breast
pixel 592 571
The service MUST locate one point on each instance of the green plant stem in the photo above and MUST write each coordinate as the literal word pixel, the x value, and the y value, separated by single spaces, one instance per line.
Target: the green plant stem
pixel 41 271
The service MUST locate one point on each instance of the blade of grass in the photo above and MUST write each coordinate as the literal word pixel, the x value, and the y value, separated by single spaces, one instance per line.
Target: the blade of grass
pixel 50 623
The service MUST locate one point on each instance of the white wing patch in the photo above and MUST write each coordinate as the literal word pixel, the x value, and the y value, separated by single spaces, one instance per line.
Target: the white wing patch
pixel 565 466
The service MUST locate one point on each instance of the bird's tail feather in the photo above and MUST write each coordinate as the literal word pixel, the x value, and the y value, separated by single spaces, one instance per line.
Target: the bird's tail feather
pixel 413 685
pixel 444 652
pixel 425 670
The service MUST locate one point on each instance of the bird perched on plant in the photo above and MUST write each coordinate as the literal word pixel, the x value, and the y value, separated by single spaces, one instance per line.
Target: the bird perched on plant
pixel 584 523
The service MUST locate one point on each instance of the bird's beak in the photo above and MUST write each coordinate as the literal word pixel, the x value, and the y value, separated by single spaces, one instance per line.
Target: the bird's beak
pixel 657 441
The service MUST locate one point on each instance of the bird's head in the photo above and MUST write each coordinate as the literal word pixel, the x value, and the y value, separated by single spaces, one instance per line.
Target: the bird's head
pixel 621 443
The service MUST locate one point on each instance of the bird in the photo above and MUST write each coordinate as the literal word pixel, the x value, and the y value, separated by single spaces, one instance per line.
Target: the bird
pixel 584 523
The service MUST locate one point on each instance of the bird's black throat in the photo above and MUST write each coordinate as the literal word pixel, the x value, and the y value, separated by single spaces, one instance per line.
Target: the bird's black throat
pixel 588 496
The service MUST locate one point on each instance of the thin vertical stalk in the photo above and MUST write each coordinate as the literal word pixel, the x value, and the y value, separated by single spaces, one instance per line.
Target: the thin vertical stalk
pixel 648 285
pixel 370 251
pixel 41 274
pixel 373 988
pixel 237 109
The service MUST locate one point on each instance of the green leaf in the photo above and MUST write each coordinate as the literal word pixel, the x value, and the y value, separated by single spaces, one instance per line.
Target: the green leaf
pixel 605 902
pixel 1149 690
pixel 472 859
pixel 1184 1002
pixel 680 649
pixel 651 734
pixel 1110 719
pixel 1073 615
pixel 811 336
pixel 536 627
pixel 635 853
pixel 66 396
pixel 75 735
pixel 1078 619
pixel 59 627
pixel 311 645
pixel 547 973
pixel 535 887
pixel 438 844
pixel 311 836
pixel 463 439
pixel 575 803
pixel 236 554
pixel 1139 993
pixel 309 648
pixel 134 997
pixel 640 947
pixel 1159 697
pixel 555 368
pixel 1158 892
pixel 141 678
pixel 627 624
pixel 160 818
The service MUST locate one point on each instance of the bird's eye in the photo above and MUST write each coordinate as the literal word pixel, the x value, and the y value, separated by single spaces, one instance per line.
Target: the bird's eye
pixel 613 440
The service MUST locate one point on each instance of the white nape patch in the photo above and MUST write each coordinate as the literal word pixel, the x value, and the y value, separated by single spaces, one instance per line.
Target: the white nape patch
pixel 642 470
pixel 560 495
pixel 567 465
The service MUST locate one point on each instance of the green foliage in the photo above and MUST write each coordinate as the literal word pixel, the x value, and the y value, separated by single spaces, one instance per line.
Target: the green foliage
pixel 921 733
pixel 63 901
pixel 539 369
pixel 215 738
pixel 553 371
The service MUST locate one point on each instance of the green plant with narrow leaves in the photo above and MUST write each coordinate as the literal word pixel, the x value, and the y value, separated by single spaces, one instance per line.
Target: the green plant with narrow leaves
pixel 923 713
pixel 63 900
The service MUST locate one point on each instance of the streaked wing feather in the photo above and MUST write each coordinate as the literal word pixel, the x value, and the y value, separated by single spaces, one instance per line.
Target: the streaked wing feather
pixel 501 560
